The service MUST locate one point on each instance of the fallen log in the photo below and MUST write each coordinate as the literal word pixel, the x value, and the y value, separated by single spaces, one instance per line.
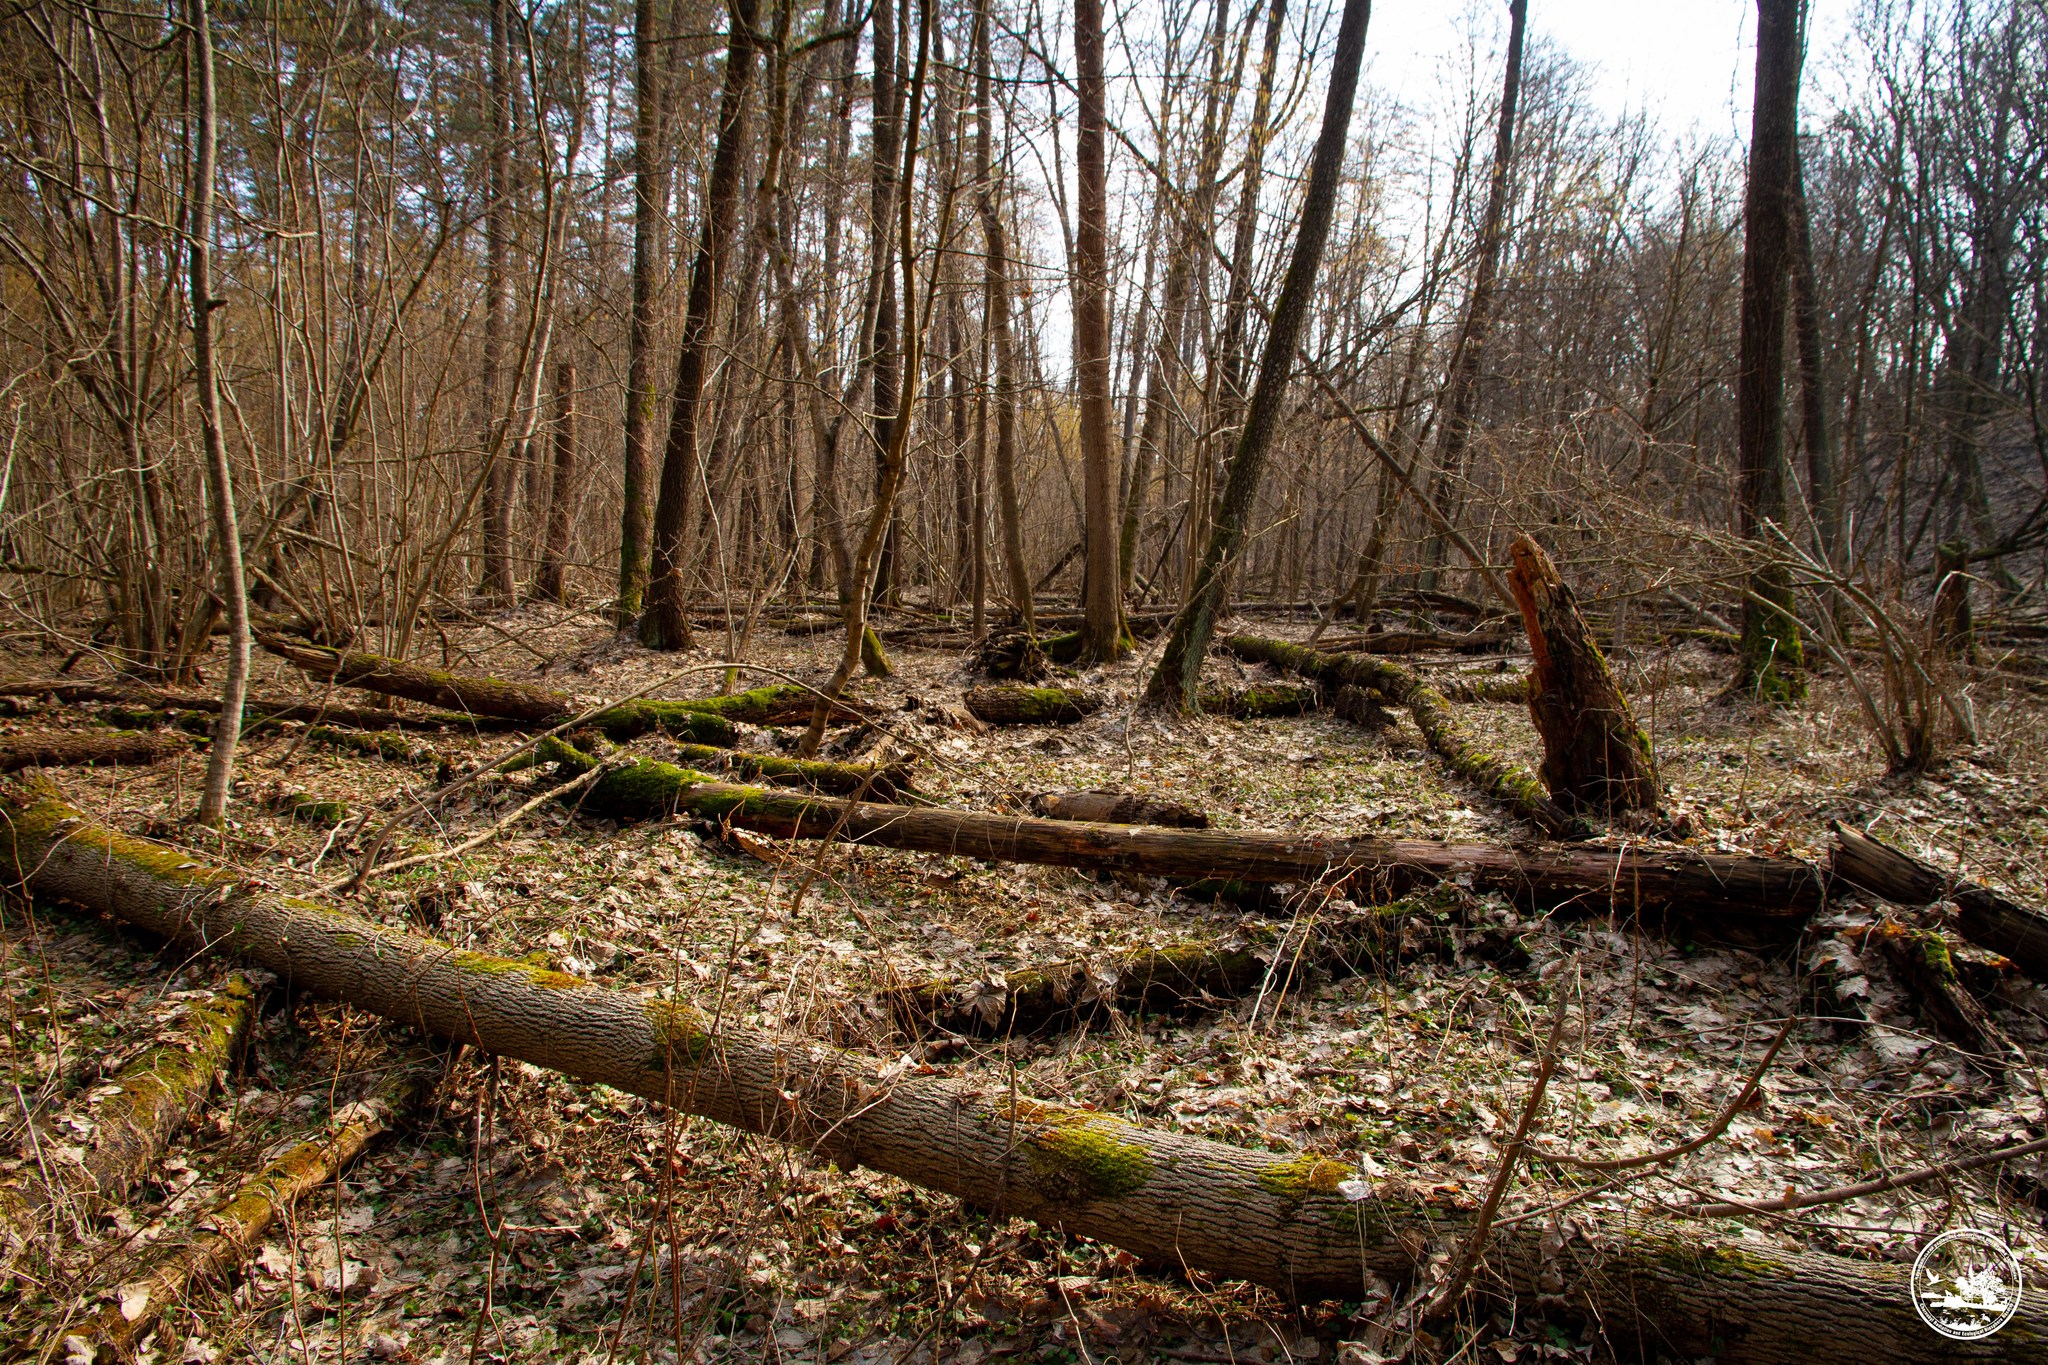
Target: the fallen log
pixel 1470 687
pixel 1983 916
pixel 1304 1226
pixel 1263 699
pixel 1003 704
pixel 1116 808
pixel 1420 642
pixel 1923 957
pixel 388 745
pixel 1595 756
pixel 131 1118
pixel 1752 889
pixel 1500 778
pixel 229 1233
pixel 875 781
pixel 122 748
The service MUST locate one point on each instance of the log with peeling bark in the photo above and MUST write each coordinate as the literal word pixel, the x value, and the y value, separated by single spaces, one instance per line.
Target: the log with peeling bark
pixel 1014 704
pixel 1117 808
pixel 131 1118
pixel 1752 889
pixel 1499 777
pixel 118 748
pixel 1304 1226
pixel 1595 756
pixel 700 720
pixel 1983 916
pixel 169 1271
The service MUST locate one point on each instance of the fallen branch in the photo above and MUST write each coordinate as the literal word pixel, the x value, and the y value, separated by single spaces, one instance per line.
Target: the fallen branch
pixel 1012 704
pixel 1983 916
pixel 1306 1227
pixel 232 1230
pixel 1500 778
pixel 877 781
pixel 121 748
pixel 1843 1193
pixel 133 1116
pixel 1923 959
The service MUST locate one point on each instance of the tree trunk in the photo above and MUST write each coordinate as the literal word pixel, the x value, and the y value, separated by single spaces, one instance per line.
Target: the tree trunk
pixel 213 1252
pixel 1461 386
pixel 497 508
pixel 123 748
pixel 1101 600
pixel 996 306
pixel 1010 704
pixel 1595 756
pixel 131 1120
pixel 1499 777
pixel 1177 679
pixel 1771 667
pixel 1823 475
pixel 1117 808
pixel 554 557
pixel 666 624
pixel 1284 1220
pixel 1983 916
pixel 650 196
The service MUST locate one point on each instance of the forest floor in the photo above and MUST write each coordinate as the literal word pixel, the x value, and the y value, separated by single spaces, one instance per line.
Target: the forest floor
pixel 525 1217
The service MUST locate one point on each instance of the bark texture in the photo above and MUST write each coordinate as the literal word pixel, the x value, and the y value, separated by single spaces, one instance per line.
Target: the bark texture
pixel 1010 705
pixel 875 781
pixel 1983 916
pixel 150 1099
pixel 126 748
pixel 1274 1218
pixel 1595 756
pixel 1745 888
pixel 1498 776
pixel 1117 808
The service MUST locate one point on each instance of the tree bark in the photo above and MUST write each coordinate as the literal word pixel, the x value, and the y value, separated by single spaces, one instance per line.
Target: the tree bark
pixel 554 558
pixel 123 748
pixel 1499 777
pixel 1101 596
pixel 650 195
pixel 132 1122
pixel 1010 704
pixel 1278 1219
pixel 1771 665
pixel 1595 756
pixel 498 489
pixel 869 781
pixel 1823 474
pixel 1177 679
pixel 1983 916
pixel 1117 808
pixel 996 312
pixel 665 624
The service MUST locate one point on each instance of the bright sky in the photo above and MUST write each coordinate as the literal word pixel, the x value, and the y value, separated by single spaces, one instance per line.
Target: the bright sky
pixel 1691 62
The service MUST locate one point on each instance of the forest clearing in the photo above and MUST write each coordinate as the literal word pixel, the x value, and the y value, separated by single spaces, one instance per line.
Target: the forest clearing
pixel 930 682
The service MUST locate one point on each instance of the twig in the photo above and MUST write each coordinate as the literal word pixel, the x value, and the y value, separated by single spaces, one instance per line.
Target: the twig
pixel 1843 1193
pixel 1475 1241
pixel 358 877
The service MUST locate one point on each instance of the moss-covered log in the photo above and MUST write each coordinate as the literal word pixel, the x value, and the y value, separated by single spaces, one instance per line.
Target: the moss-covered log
pixel 1498 776
pixel 1259 699
pixel 391 746
pixel 1117 808
pixel 1420 642
pixel 119 748
pixel 650 791
pixel 1984 917
pixel 1302 1225
pixel 1001 704
pixel 218 1242
pixel 1595 756
pixel 1480 687
pixel 1746 888
pixel 131 1118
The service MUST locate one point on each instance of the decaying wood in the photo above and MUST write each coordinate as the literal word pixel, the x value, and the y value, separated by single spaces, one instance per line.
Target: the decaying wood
pixel 1012 654
pixel 123 748
pixel 1499 777
pixel 391 746
pixel 1924 957
pixel 1470 687
pixel 1595 756
pixel 1304 1226
pixel 1010 704
pixel 1419 642
pixel 211 1253
pixel 131 1117
pixel 1117 808
pixel 1752 889
pixel 1983 916
pixel 1261 699
pixel 874 781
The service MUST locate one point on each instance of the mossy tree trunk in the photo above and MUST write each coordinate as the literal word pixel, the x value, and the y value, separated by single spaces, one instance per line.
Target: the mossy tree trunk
pixel 131 1118
pixel 999 704
pixel 1307 1227
pixel 124 748
pixel 871 781
pixel 1117 808
pixel 1595 756
pixel 1499 777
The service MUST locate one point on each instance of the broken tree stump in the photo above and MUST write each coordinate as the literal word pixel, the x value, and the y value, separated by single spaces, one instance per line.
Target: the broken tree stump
pixel 1307 1227
pixel 1595 757
pixel 133 1116
pixel 1013 704
pixel 123 748
pixel 1498 776
pixel 1983 916
pixel 1117 808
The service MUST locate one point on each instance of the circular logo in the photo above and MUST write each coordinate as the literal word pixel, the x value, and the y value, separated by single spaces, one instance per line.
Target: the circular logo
pixel 1966 1284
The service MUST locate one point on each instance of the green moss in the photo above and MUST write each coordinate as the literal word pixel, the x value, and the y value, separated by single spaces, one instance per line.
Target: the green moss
pixel 308 810
pixel 699 722
pixel 1300 1176
pixel 537 974
pixel 681 1032
pixel 1081 1156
